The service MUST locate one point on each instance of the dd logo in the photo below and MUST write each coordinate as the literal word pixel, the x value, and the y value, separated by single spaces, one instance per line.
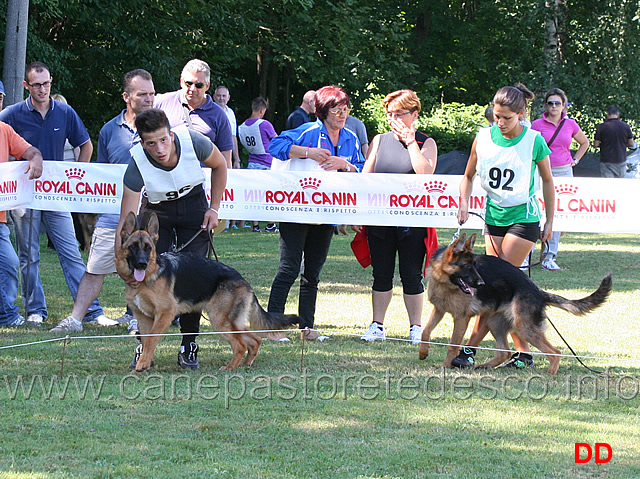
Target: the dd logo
pixel 598 446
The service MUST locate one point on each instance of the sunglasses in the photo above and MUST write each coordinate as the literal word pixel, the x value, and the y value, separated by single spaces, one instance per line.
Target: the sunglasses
pixel 199 85
pixel 340 111
pixel 554 103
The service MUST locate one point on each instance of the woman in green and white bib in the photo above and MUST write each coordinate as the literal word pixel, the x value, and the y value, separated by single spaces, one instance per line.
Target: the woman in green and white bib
pixel 510 159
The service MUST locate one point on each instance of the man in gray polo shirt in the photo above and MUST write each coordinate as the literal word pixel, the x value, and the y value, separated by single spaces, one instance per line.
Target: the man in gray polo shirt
pixel 116 139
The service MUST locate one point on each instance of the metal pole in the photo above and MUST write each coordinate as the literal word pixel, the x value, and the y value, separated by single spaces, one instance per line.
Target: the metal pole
pixel 15 50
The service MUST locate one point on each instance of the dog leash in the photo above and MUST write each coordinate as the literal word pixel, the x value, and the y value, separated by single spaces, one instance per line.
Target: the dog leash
pixel 572 351
pixel 210 249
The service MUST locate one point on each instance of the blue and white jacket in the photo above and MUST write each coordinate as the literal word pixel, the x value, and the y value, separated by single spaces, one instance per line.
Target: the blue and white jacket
pixel 314 135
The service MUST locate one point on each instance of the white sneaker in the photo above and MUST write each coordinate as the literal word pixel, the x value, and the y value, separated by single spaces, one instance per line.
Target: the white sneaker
pixel 68 324
pixel 35 318
pixel 415 334
pixel 525 263
pixel 550 264
pixel 375 331
pixel 102 320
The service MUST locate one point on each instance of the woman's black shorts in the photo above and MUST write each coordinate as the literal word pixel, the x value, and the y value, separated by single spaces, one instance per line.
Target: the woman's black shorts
pixel 528 231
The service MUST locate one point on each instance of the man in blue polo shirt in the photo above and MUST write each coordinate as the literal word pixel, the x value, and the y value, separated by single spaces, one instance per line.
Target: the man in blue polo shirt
pixel 47 124
pixel 116 139
pixel 193 107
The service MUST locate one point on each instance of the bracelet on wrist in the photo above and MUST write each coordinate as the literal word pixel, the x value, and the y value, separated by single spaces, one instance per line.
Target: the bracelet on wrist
pixel 411 142
pixel 214 210
pixel 306 153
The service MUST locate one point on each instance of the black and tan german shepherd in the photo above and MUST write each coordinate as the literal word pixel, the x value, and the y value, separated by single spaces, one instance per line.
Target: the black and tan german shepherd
pixel 465 284
pixel 170 284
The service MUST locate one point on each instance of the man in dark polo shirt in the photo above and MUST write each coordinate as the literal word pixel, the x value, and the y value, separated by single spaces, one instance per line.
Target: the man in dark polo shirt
pixel 300 115
pixel 47 124
pixel 613 137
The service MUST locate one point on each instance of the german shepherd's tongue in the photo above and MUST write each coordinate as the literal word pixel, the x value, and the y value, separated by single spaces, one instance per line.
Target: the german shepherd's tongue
pixel 138 274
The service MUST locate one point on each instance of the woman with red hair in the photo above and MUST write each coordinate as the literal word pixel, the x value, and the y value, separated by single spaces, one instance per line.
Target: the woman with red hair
pixel 323 145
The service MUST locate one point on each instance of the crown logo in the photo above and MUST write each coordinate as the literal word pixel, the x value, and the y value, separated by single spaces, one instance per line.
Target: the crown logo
pixel 433 186
pixel 566 190
pixel 76 173
pixel 310 183
pixel 414 187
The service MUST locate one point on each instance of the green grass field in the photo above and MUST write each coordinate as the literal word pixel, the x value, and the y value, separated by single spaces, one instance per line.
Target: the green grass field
pixel 345 409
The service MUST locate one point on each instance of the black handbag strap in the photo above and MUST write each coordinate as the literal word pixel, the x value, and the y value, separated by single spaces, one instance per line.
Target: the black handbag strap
pixel 558 128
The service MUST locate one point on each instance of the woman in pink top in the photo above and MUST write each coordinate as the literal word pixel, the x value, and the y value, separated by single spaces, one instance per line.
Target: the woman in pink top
pixel 559 131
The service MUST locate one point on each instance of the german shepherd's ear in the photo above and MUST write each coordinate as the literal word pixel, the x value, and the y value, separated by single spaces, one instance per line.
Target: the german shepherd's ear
pixel 129 226
pixel 458 245
pixel 152 227
pixel 470 242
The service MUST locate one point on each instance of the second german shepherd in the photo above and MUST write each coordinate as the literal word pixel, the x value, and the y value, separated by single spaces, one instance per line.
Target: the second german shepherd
pixel 170 284
pixel 465 284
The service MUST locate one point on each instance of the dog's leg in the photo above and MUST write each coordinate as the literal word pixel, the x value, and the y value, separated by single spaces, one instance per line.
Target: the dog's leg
pixel 539 340
pixel 224 323
pixel 160 325
pixel 498 326
pixel 460 325
pixel 434 319
pixel 253 342
pixel 238 347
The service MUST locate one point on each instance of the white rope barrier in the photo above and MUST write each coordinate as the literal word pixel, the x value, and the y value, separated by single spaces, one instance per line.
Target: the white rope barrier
pixel 333 332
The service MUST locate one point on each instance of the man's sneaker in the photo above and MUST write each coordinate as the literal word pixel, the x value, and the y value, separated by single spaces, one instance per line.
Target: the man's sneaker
pixel 256 229
pixel 133 327
pixel 136 356
pixel 525 264
pixel 271 228
pixel 17 321
pixel 67 325
pixel 550 264
pixel 375 331
pixel 103 320
pixel 415 334
pixel 188 359
pixel 466 358
pixel 35 318
pixel 519 360
pixel 126 318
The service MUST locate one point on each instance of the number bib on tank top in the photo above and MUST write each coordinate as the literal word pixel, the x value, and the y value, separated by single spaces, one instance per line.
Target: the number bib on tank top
pixel 162 185
pixel 505 172
pixel 251 138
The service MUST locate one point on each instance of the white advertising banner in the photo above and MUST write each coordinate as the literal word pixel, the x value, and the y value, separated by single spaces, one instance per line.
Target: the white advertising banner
pixel 596 205
pixel 16 190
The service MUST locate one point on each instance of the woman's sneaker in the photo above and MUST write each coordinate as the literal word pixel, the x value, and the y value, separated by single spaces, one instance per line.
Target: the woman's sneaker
pixel 466 358
pixel 519 360
pixel 550 264
pixel 415 334
pixel 375 331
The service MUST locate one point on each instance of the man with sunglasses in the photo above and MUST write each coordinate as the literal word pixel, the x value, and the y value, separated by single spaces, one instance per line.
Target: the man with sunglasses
pixel 47 124
pixel 193 107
